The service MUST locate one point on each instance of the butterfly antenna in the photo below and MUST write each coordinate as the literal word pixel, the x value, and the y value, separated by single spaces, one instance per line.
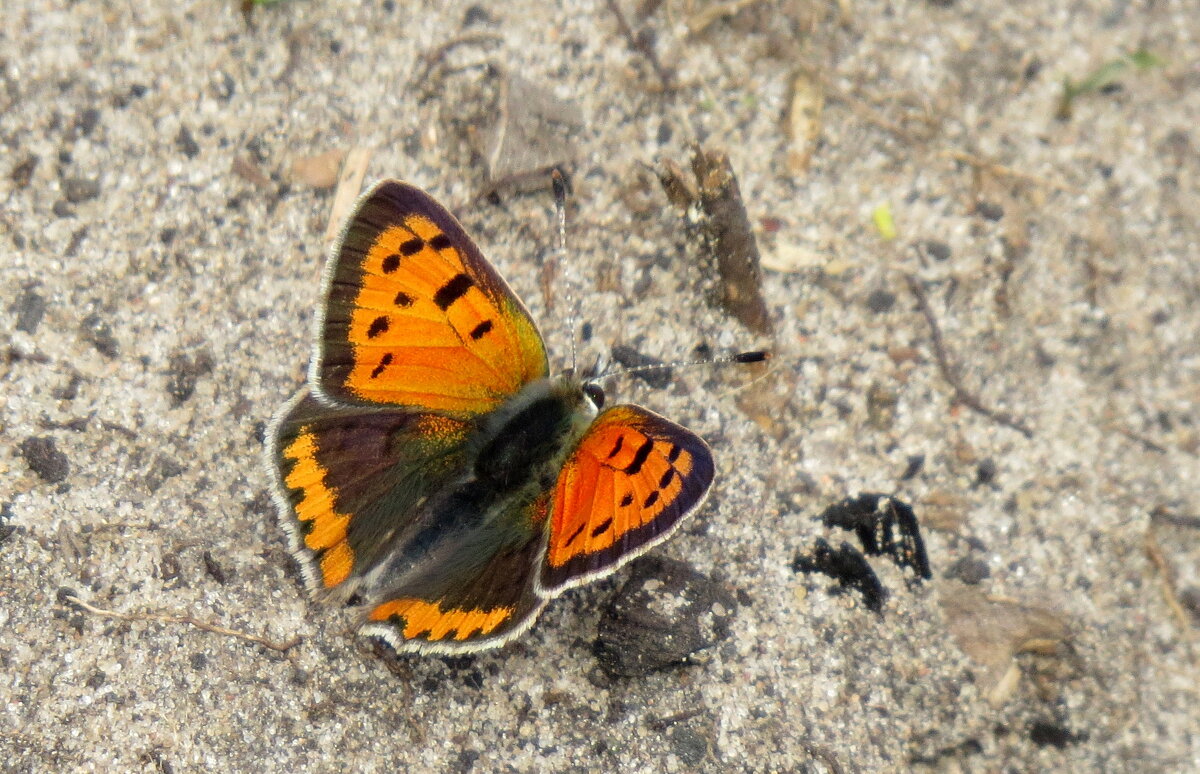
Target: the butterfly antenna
pixel 559 182
pixel 756 356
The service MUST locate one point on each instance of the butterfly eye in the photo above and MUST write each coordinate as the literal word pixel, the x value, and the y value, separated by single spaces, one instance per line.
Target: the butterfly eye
pixel 596 393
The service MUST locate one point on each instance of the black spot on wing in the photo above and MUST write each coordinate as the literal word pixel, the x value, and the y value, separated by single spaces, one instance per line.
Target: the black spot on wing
pixel 378 325
pixel 666 478
pixel 617 447
pixel 412 246
pixel 440 242
pixel 651 499
pixel 602 527
pixel 575 534
pixel 453 290
pixel 390 263
pixel 627 500
pixel 384 362
pixel 640 457
pixel 481 330
pixel 403 300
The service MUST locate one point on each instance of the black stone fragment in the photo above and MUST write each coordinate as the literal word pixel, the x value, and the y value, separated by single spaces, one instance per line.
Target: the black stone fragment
pixel 1045 733
pixel 885 526
pixel 880 301
pixel 87 120
pixel 187 143
pixel 99 334
pixel 43 458
pixel 161 469
pixel 847 566
pixel 6 527
pixel 214 570
pixel 183 371
pixel 970 570
pixel 989 210
pixel 30 307
pixel 80 189
pixel 629 357
pixel 914 465
pixel 22 172
pixel 938 251
pixel 665 612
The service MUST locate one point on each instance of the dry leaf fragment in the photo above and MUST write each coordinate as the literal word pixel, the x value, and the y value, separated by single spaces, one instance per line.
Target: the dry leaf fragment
pixel 803 121
pixel 354 169
pixel 715 205
pixel 319 171
pixel 992 631
pixel 529 134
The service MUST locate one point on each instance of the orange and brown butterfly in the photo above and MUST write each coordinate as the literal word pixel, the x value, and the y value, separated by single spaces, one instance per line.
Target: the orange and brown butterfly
pixel 432 471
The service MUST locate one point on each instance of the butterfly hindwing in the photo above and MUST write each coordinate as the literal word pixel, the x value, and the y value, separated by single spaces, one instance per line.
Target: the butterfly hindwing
pixel 478 591
pixel 630 481
pixel 415 316
pixel 347 480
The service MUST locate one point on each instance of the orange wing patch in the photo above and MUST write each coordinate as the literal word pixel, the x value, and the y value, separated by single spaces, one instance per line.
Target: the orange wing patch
pixel 326 528
pixel 417 619
pixel 416 317
pixel 632 478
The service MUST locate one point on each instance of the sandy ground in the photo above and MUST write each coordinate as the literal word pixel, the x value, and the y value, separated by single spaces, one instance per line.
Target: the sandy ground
pixel 160 272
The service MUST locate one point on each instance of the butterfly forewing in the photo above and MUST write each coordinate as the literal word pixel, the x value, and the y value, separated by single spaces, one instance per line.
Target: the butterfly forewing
pixel 631 480
pixel 415 316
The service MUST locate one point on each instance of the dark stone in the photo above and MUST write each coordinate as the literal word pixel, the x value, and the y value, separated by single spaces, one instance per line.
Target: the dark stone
pixel 989 210
pixel 214 570
pixel 477 14
pixel 70 390
pixel 913 468
pixel 970 570
pixel 1045 733
pixel 87 120
pixel 938 251
pixel 664 613
pixel 187 143
pixel 199 661
pixel 96 680
pixel 629 357
pixel 6 527
pixel 985 472
pixel 466 761
pixel 79 189
pixel 63 209
pixel 881 301
pixel 22 173
pixel 690 745
pixel 43 457
pixel 848 567
pixel 99 334
pixel 29 308
pixel 163 468
pixel 183 372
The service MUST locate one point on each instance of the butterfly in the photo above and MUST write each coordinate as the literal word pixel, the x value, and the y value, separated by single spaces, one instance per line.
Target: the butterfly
pixel 432 472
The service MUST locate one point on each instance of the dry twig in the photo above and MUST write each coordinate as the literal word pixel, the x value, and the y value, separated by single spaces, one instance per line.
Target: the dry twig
pixel 999 170
pixel 961 394
pixel 642 47
pixel 283 647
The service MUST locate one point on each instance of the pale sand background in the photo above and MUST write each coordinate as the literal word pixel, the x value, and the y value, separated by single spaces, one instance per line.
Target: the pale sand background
pixel 1085 326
